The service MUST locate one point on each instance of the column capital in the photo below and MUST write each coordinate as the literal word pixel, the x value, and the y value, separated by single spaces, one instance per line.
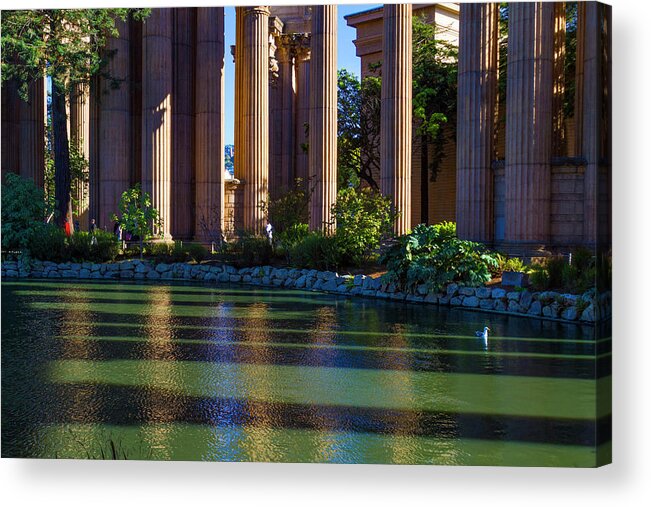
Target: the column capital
pixel 257 9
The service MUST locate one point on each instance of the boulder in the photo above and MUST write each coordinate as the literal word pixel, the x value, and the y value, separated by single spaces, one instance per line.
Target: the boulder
pixel 588 315
pixel 498 293
pixel 525 299
pixel 456 301
pixel 451 290
pixel 514 307
pixel 471 301
pixel 483 292
pixel 487 304
pixel 515 279
pixel 535 308
pixel 467 291
pixel 513 296
pixel 358 280
pixel 569 313
pixel 330 285
pixel 300 282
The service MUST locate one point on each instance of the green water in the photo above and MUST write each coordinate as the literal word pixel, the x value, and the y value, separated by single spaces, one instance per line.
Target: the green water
pixel 233 373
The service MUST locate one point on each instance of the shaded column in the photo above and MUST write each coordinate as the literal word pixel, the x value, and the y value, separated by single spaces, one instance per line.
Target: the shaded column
pixel 578 82
pixel 529 125
pixel 256 111
pixel 302 115
pixel 80 136
pixel 592 103
pixel 157 83
pixel 209 124
pixel 113 130
pixel 183 124
pixel 287 83
pixel 395 123
pixel 476 117
pixel 558 121
pixel 323 117
pixel 10 130
pixel 31 128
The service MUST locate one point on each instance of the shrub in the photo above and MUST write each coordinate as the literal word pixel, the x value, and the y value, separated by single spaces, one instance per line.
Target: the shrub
pixel 80 247
pixel 505 263
pixel 160 251
pixel 197 252
pixel 47 242
pixel 106 248
pixel 252 250
pixel 433 255
pixel 557 273
pixel 316 251
pixel 23 211
pixel 363 219
pixel 292 208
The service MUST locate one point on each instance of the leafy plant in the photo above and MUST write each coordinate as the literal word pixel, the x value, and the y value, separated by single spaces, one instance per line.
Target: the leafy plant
pixel 138 216
pixel 433 255
pixel 23 210
pixel 252 250
pixel 316 251
pixel 290 209
pixel 106 247
pixel 80 246
pixel 505 263
pixel 197 252
pixel 363 219
pixel 47 242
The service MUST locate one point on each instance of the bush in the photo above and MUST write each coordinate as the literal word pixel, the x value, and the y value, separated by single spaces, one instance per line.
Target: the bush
pixel 363 218
pixel 505 263
pixel 23 211
pixel 47 242
pixel 80 247
pixel 292 208
pixel 107 246
pixel 557 273
pixel 252 250
pixel 160 251
pixel 316 251
pixel 197 252
pixel 433 255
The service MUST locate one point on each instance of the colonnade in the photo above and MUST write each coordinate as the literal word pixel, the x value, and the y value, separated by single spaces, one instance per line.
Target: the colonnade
pixel 534 123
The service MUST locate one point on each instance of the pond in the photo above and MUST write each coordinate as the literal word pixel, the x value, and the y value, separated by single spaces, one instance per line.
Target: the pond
pixel 233 373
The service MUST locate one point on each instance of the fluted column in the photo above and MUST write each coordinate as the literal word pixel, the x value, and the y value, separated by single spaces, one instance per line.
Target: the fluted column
pixel 114 132
pixel 591 126
pixel 301 159
pixel 287 83
pixel 395 123
pixel 477 103
pixel 10 130
pixel 529 124
pixel 31 126
pixel 256 111
pixel 558 122
pixel 80 136
pixel 209 187
pixel 323 117
pixel 157 84
pixel 183 124
pixel 239 161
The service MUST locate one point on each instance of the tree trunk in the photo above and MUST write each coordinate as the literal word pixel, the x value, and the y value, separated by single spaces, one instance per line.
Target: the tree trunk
pixel 424 180
pixel 61 156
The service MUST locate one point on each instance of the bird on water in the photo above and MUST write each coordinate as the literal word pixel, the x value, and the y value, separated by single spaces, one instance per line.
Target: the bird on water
pixel 483 334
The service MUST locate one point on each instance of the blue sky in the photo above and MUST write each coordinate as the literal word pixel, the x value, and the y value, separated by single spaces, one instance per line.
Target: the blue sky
pixel 345 56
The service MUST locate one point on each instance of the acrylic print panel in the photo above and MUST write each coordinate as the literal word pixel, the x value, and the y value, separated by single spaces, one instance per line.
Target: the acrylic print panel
pixel 370 234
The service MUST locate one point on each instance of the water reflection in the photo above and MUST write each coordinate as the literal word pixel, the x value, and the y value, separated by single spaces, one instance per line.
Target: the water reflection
pixel 222 373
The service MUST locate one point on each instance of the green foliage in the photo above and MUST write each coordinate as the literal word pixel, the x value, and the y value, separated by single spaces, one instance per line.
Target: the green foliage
pixel 433 255
pixel 506 263
pixel 290 209
pixel 138 216
pixel 557 273
pixel 251 250
pixel 106 247
pixel 363 219
pixel 47 242
pixel 316 251
pixel 23 210
pixel 197 252
pixel 80 247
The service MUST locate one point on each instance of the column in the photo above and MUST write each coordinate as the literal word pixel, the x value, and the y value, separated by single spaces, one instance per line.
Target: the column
pixel 592 97
pixel 209 126
pixel 31 128
pixel 114 132
pixel 578 81
pixel 529 125
pixel 183 124
pixel 395 122
pixel 287 84
pixel 240 89
pixel 256 115
pixel 80 136
pixel 302 115
pixel 322 150
pixel 157 82
pixel 10 134
pixel 558 121
pixel 477 109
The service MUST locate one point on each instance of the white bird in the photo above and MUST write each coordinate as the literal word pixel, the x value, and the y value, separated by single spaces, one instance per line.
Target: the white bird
pixel 483 334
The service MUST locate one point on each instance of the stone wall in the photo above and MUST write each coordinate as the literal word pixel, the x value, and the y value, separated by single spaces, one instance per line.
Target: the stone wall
pixel 586 308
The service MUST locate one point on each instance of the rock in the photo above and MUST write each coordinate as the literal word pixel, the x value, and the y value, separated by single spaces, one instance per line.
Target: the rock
pixel 514 307
pixel 569 313
pixel 398 296
pixel 142 268
pixel 210 277
pixel 498 293
pixel 126 274
pixel 223 277
pixel 500 305
pixel 289 282
pixel 246 278
pixel 588 315
pixel 432 298
pixel 368 292
pixel 229 269
pixel 471 301
pixel 87 265
pixel 138 276
pixel 330 285
pixel 444 300
pixel 162 267
pixel 483 292
pixel 235 278
pixel 300 282
pixel 11 273
pixel 467 291
pixel 277 282
pixel 452 289
pixel 456 301
pixel 515 279
pixel 525 299
pixel 52 274
pixel 535 308
pixel 343 287
pixel 84 273
pixel 487 304
pixel 513 296
pixel 422 289
pixel 381 295
pixel 356 291
pixel 414 299
pixel 358 280
pixel 266 280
